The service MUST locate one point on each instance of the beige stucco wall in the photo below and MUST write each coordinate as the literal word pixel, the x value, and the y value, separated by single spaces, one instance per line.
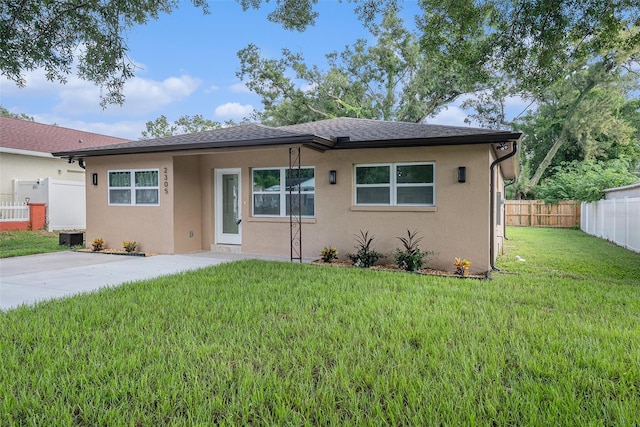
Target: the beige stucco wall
pixel 458 226
pixel 151 226
pixel 30 168
pixel 187 204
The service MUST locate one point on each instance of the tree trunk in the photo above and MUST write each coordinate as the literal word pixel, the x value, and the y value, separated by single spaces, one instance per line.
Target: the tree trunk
pixel 561 139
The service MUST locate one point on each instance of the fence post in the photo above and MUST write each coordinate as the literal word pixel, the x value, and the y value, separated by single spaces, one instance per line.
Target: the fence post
pixel 37 215
pixel 626 222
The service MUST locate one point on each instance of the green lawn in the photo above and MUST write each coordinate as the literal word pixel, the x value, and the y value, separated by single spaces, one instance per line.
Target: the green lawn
pixel 19 243
pixel 551 341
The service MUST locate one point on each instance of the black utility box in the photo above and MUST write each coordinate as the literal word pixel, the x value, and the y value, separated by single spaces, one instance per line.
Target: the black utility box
pixel 72 238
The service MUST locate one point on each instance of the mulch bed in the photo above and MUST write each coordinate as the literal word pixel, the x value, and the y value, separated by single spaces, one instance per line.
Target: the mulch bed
pixel 117 252
pixel 393 267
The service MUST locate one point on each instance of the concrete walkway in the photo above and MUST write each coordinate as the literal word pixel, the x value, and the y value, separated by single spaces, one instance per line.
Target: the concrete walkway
pixel 28 279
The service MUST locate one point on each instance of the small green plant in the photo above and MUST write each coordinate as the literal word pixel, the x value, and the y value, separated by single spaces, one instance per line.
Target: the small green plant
pixel 97 244
pixel 410 258
pixel 366 255
pixel 462 267
pixel 129 245
pixel 328 254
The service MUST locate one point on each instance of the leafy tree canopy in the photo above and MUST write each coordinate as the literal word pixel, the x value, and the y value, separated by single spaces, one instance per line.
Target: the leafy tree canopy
pixel 585 181
pixel 603 126
pixel 91 36
pixel 22 116
pixel 162 127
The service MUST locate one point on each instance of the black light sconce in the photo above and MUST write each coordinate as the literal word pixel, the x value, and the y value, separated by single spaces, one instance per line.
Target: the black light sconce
pixel 332 177
pixel 94 178
pixel 462 174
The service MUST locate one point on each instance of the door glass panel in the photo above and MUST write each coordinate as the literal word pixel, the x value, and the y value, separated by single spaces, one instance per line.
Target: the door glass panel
pixel 230 203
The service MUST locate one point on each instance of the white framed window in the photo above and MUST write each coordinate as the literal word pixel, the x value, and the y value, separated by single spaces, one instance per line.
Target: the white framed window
pixel 270 191
pixel 395 184
pixel 134 187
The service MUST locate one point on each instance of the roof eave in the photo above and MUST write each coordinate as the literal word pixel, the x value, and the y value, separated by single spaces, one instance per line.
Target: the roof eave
pixel 491 138
pixel 311 141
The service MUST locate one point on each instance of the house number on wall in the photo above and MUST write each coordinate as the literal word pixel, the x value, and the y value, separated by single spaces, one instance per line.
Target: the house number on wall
pixel 165 181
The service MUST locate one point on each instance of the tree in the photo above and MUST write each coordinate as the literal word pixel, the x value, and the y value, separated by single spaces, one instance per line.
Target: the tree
pixel 161 127
pixel 91 35
pixel 535 44
pixel 601 127
pixel 395 79
pixel 585 181
pixel 88 35
pixel 22 116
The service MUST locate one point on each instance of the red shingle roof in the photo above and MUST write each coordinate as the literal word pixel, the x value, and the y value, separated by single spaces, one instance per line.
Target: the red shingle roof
pixel 31 136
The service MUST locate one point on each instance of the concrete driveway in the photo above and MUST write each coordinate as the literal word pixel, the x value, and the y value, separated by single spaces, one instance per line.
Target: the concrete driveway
pixel 28 279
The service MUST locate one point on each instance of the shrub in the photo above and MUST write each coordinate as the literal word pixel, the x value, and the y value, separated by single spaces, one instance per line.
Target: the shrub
pixel 366 255
pixel 410 258
pixel 129 245
pixel 328 254
pixel 97 244
pixel 462 267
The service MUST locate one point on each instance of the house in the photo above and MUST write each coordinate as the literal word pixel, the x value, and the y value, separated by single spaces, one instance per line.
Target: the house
pixel 230 189
pixel 29 171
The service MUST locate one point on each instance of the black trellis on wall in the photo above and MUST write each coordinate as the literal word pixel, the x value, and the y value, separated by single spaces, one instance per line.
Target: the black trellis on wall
pixel 294 181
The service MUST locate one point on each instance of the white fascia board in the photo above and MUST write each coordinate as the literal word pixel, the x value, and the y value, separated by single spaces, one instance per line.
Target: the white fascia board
pixel 26 152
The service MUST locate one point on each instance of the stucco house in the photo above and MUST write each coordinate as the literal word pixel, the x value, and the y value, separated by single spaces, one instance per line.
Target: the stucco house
pixel 27 167
pixel 230 189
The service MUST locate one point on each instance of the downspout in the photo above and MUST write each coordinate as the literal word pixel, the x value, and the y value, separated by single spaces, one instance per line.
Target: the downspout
pixel 492 214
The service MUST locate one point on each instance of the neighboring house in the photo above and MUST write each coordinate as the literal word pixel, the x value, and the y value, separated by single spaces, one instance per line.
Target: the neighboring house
pixel 632 190
pixel 228 189
pixel 28 170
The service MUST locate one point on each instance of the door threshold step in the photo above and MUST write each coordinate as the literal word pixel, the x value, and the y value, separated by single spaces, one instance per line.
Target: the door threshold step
pixel 229 249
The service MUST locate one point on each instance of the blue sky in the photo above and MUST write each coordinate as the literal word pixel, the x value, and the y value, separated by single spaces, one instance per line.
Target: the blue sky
pixel 187 65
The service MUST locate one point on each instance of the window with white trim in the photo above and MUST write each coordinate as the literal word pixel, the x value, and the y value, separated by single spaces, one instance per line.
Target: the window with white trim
pixel 134 187
pixel 270 188
pixel 395 184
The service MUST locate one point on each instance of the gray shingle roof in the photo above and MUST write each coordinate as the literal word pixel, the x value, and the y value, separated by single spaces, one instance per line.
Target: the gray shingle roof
pixel 375 130
pixel 325 134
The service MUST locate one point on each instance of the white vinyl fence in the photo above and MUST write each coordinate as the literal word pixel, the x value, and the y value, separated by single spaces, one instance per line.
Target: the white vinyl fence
pixel 65 200
pixel 616 220
pixel 14 211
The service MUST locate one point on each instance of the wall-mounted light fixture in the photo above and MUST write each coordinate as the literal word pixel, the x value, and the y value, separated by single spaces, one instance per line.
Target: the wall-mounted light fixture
pixel 462 174
pixel 333 177
pixel 94 178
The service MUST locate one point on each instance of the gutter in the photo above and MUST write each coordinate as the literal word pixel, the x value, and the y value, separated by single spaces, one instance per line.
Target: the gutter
pixel 492 214
pixel 26 152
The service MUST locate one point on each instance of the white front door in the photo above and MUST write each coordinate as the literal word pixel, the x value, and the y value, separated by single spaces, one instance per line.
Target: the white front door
pixel 228 218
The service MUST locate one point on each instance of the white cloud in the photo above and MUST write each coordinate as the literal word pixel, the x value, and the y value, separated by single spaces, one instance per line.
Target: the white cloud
pixel 77 97
pixel 240 88
pixel 142 96
pixel 36 84
pixel 122 129
pixel 233 110
pixel 212 88
pixel 451 116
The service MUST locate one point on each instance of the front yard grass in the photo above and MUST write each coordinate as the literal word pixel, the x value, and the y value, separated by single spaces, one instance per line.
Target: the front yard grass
pixel 551 341
pixel 19 243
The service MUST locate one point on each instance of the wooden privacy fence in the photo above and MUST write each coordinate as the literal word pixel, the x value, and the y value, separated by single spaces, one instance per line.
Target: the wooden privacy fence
pixel 537 213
